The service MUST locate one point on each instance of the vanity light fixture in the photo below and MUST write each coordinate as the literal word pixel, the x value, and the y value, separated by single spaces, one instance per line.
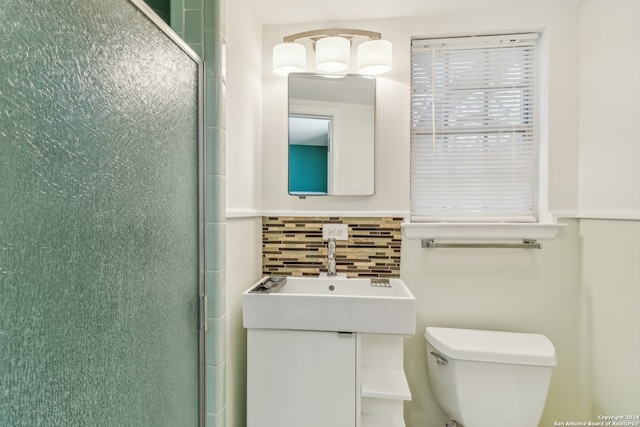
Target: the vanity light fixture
pixel 333 52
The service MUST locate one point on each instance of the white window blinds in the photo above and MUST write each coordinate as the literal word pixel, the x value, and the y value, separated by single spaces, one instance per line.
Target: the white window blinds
pixel 473 146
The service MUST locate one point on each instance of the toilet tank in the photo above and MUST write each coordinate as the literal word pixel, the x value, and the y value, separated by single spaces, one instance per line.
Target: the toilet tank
pixel 490 378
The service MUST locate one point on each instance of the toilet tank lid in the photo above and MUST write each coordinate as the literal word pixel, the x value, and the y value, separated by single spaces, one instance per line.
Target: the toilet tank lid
pixel 492 346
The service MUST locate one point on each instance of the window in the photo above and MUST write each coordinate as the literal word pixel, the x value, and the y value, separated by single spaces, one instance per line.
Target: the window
pixel 474 151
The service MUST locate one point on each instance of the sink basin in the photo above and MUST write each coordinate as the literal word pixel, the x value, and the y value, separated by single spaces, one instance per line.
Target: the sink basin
pixel 331 304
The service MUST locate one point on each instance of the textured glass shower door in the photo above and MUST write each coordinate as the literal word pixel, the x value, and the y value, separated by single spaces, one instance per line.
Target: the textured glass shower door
pixel 100 245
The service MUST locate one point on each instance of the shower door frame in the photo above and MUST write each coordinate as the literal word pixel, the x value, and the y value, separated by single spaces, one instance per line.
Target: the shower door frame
pixel 201 296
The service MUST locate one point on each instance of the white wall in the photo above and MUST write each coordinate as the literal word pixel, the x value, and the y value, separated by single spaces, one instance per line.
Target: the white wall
pixel 354 151
pixel 610 187
pixel 392 192
pixel 392 145
pixel 243 246
pixel 536 292
pixel 611 321
pixel 498 289
pixel 565 290
pixel 244 108
pixel 609 108
pixel 244 267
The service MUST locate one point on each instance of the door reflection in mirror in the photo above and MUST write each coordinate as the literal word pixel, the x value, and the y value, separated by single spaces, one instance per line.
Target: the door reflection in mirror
pixel 309 148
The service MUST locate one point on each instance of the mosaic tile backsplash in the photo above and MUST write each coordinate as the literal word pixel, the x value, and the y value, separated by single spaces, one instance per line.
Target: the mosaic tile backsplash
pixel 293 246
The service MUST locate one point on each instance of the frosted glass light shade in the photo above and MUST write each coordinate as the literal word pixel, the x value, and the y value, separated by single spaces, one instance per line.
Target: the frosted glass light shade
pixel 374 57
pixel 289 58
pixel 333 54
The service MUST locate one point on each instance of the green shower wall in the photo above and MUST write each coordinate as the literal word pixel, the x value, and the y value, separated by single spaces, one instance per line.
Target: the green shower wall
pixel 99 215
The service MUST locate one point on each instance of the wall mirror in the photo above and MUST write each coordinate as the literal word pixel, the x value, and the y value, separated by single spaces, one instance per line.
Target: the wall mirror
pixel 331 134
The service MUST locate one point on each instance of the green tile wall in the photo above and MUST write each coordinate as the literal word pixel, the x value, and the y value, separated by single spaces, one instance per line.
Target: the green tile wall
pixel 293 246
pixel 162 8
pixel 201 24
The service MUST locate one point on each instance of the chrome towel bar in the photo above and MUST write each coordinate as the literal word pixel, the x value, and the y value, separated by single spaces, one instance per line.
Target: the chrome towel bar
pixel 526 244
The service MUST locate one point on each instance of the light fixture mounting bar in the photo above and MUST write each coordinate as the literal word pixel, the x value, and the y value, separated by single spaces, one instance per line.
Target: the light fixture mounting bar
pixel 332 32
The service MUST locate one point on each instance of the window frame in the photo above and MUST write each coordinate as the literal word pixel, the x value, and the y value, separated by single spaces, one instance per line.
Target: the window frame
pixel 544 225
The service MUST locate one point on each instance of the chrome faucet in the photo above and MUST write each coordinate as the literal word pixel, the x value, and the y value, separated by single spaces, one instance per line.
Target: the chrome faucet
pixel 331 261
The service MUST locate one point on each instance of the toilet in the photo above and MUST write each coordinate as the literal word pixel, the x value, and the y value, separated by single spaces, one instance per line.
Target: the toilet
pixel 489 378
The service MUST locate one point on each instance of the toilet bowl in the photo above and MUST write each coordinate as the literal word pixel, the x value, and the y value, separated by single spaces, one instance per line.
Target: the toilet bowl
pixel 489 378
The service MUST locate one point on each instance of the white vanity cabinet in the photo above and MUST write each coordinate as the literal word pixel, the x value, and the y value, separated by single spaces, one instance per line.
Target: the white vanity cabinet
pixel 300 378
pixel 319 379
pixel 303 372
pixel 383 383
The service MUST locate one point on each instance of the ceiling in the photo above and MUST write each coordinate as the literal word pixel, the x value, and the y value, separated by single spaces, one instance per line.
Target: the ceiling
pixel 273 12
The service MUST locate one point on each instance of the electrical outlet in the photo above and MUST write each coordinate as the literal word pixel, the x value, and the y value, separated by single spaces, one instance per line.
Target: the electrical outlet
pixel 335 231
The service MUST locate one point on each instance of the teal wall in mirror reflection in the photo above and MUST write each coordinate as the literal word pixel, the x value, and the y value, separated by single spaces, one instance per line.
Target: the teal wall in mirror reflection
pixel 308 173
pixel 309 149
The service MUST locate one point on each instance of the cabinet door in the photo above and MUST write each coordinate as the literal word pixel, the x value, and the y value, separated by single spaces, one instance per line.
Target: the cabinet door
pixel 300 378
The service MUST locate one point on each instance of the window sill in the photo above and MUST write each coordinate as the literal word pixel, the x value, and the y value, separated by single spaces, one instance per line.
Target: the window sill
pixel 449 230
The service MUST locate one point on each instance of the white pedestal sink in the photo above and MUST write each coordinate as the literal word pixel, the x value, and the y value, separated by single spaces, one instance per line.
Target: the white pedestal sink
pixel 332 304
